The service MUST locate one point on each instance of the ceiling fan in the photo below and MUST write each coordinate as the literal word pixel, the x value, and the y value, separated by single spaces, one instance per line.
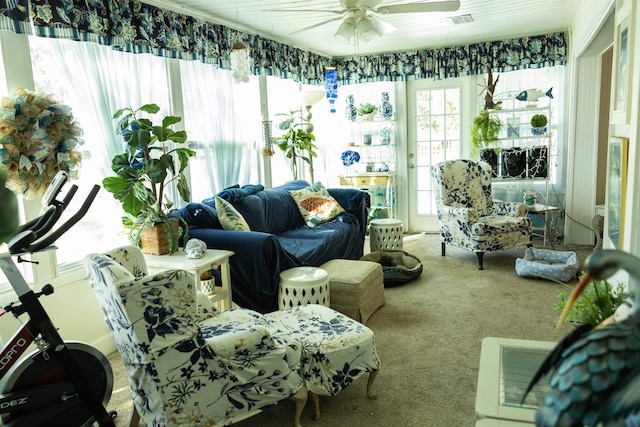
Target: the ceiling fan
pixel 360 19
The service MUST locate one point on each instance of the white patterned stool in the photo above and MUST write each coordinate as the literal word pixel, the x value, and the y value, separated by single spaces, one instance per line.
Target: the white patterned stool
pixel 303 285
pixel 385 234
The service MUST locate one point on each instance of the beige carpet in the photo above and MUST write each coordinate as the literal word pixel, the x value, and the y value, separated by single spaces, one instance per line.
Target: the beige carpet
pixel 428 336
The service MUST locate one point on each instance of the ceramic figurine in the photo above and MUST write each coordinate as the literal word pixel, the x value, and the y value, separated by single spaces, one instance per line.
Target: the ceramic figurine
pixel 386 109
pixel 350 112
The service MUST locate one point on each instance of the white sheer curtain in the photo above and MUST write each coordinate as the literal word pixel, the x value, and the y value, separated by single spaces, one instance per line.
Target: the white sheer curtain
pixel 223 119
pixel 96 81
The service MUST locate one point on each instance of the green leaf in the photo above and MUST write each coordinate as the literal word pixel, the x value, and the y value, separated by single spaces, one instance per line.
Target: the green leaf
pixel 170 120
pixel 183 188
pixel 149 108
pixel 116 184
pixel 156 170
pixel 119 162
pixel 122 124
pixel 183 157
pixel 122 110
pixel 178 137
pixel 138 138
pixel 162 133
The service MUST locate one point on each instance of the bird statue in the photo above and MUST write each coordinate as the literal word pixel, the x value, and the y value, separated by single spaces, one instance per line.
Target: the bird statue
pixel 596 372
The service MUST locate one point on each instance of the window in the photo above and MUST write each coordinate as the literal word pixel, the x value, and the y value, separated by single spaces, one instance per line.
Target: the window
pixel 95 81
pixel 437 130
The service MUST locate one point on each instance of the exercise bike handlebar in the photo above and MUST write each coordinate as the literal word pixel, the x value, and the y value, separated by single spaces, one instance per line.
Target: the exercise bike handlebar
pixel 34 235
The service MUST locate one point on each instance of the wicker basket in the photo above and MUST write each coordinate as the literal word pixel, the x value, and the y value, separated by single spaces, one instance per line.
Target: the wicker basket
pixel 155 240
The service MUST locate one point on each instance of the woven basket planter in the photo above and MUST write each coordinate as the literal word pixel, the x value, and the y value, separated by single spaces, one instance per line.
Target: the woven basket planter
pixel 155 240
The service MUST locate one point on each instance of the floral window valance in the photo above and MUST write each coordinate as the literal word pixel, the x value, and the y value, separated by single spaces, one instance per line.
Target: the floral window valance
pixel 132 26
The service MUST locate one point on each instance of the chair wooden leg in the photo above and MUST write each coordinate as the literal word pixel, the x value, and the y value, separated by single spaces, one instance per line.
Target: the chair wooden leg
pixel 480 257
pixel 301 399
pixel 135 418
pixel 316 405
pixel 442 246
pixel 372 377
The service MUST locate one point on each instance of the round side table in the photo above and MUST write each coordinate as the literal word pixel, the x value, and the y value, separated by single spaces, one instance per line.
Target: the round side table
pixel 385 234
pixel 303 285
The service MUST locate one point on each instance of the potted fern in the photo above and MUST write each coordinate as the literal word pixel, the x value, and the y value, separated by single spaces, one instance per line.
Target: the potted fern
pixel 484 131
pixel 151 162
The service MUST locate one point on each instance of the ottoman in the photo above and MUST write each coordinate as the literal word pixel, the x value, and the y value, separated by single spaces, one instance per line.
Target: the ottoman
pixel 331 357
pixel 357 287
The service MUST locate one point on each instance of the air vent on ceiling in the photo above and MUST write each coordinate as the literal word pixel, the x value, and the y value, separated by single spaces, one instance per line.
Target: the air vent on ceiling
pixel 461 19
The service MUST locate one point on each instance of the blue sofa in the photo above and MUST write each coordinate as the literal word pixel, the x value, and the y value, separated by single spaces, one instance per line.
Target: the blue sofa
pixel 279 238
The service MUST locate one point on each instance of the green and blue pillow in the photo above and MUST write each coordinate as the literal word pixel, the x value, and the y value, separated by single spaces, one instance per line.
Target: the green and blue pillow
pixel 229 217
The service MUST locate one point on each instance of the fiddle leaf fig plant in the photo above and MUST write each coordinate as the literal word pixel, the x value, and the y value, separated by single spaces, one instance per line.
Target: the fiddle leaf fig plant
pixel 151 162
pixel 296 142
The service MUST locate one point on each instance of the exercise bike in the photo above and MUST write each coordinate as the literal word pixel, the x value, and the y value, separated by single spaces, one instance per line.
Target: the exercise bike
pixel 60 383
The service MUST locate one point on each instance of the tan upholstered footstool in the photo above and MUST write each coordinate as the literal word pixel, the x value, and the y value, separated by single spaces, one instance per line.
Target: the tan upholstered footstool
pixel 356 287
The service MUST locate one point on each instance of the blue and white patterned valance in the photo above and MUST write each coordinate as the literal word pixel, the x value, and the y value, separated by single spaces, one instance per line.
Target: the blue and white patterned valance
pixel 132 26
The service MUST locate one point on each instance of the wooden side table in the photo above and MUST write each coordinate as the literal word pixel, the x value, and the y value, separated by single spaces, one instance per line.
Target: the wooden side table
pixel 214 259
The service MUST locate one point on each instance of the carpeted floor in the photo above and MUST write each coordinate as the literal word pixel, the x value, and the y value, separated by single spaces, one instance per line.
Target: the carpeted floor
pixel 428 336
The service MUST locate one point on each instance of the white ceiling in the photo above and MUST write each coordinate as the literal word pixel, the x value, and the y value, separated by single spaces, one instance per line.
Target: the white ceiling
pixel 492 20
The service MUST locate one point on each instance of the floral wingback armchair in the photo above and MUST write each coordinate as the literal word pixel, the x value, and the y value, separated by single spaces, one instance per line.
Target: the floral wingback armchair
pixel 182 372
pixel 469 218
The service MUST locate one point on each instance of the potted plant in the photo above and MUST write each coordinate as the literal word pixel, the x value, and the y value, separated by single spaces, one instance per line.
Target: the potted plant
pixel 484 130
pixel 538 124
pixel 150 163
pixel 296 143
pixel 367 111
pixel 207 282
pixel 598 302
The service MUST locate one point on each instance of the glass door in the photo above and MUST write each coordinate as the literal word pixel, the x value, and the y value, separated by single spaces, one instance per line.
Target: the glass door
pixel 436 115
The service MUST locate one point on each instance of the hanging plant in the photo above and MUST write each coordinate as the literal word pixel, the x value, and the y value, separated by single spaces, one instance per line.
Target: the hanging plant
pixel 484 131
pixel 38 138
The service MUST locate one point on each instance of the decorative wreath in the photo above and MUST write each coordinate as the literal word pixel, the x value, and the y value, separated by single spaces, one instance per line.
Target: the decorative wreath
pixel 38 138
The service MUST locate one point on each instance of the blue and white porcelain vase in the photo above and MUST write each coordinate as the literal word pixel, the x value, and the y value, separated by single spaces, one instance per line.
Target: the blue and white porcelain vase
pixel 386 109
pixel 350 112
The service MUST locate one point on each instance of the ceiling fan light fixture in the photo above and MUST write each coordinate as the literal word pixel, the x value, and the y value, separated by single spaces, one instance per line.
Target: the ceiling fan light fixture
pixel 366 30
pixel 345 32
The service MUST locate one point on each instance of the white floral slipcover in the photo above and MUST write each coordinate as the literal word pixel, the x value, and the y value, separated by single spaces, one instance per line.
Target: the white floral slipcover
pixel 188 364
pixel 469 218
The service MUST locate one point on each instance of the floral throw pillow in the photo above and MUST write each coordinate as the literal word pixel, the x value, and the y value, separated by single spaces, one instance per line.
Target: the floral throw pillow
pixel 316 204
pixel 229 217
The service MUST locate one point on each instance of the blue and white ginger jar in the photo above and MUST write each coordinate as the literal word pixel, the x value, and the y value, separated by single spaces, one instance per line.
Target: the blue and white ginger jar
pixel 386 109
pixel 350 112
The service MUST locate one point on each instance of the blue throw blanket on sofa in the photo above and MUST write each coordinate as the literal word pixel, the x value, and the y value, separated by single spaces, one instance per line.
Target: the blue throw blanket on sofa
pixel 236 193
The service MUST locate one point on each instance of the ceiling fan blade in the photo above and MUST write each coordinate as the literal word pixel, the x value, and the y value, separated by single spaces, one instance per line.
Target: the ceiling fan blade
pixel 432 6
pixel 382 26
pixel 319 24
pixel 340 12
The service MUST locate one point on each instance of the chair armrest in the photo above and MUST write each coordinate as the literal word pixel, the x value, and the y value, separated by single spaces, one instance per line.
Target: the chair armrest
pixel 238 331
pixel 509 208
pixel 206 309
pixel 462 215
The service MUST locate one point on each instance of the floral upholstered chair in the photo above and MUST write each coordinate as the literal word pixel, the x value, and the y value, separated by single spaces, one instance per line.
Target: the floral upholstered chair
pixel 188 364
pixel 469 218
